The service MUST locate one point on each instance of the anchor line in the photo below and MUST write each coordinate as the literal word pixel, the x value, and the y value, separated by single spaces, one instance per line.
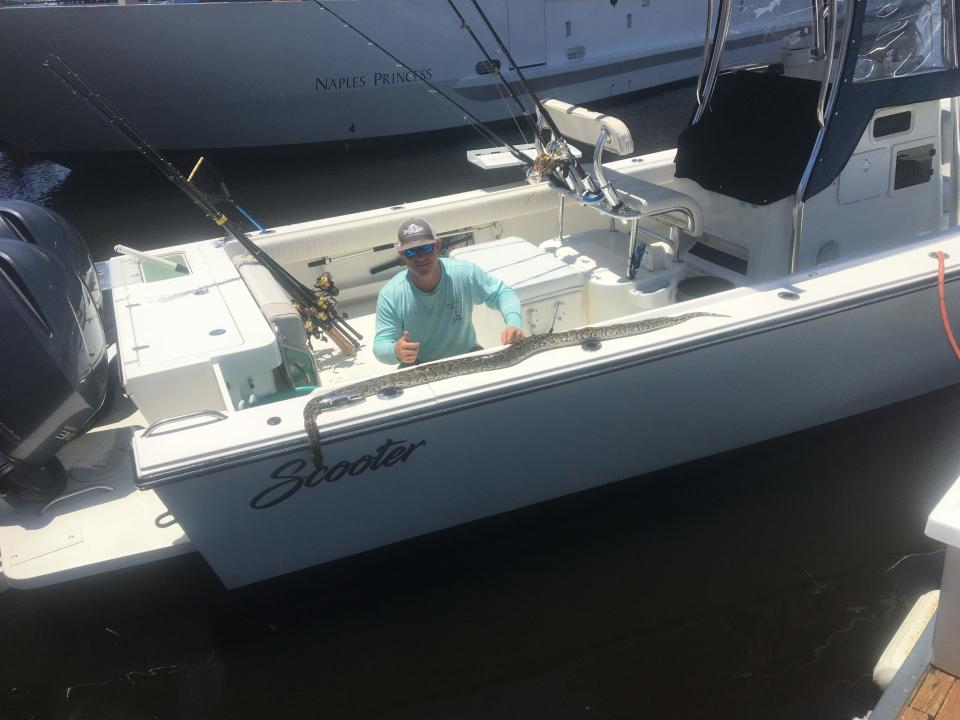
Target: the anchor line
pixel 943 305
pixel 489 134
pixel 456 367
pixel 318 313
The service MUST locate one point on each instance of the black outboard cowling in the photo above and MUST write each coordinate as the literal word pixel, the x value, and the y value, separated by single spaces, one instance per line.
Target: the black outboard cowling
pixel 53 355
pixel 21 220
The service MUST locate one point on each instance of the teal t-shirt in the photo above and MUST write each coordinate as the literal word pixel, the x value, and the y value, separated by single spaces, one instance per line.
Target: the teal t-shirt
pixel 442 319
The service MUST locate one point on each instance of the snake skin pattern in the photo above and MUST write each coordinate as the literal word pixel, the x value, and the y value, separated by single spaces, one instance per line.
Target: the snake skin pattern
pixel 496 360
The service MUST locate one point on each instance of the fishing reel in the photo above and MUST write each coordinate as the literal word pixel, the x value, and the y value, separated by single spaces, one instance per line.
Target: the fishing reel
pixel 326 285
pixel 554 158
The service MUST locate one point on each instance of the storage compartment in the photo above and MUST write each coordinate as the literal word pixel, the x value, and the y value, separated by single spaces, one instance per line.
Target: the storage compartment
pixel 191 342
pixel 549 289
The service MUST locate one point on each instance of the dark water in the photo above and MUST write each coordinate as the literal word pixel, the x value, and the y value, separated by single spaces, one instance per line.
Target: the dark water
pixel 763 583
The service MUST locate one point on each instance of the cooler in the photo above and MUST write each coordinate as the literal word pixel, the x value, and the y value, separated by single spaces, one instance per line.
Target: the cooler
pixel 549 289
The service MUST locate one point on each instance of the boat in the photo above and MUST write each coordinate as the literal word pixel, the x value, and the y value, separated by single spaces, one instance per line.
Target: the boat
pixel 791 263
pixel 259 74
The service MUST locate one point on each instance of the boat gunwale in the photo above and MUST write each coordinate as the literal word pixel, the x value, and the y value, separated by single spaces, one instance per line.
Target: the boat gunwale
pixel 150 480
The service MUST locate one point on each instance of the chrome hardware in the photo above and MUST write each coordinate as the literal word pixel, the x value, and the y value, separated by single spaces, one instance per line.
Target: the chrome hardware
pixel 217 417
pixel 709 78
pixel 707 50
pixel 831 41
pixel 798 202
pixel 339 399
pixel 609 194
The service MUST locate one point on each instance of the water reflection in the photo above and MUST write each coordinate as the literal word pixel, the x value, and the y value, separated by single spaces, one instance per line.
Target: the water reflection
pixel 33 181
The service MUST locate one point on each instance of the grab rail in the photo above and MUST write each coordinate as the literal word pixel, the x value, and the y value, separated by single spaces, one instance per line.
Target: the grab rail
pixel 819 43
pixel 707 50
pixel 830 42
pixel 216 415
pixel 716 50
pixel 798 203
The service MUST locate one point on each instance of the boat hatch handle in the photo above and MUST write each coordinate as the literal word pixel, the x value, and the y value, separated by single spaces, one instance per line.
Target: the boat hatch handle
pixel 707 50
pixel 711 68
pixel 75 493
pixel 341 398
pixel 831 17
pixel 216 415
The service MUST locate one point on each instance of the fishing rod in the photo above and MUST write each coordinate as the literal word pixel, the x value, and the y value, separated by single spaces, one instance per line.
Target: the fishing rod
pixel 590 191
pixel 483 129
pixel 217 188
pixel 318 312
pixel 494 66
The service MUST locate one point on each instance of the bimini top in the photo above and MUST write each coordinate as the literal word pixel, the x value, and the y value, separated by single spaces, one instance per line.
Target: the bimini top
pixel 767 127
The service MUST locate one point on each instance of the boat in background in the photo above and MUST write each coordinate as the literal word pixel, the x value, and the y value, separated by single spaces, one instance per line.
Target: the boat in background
pixel 256 74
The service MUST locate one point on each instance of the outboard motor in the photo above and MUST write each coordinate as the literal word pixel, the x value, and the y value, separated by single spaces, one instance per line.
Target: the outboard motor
pixel 21 220
pixel 53 353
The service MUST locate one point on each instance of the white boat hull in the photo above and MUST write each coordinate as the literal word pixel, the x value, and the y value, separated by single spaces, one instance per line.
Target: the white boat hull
pixel 632 415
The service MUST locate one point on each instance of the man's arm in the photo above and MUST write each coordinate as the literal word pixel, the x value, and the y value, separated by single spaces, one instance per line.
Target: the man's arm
pixel 497 295
pixel 389 330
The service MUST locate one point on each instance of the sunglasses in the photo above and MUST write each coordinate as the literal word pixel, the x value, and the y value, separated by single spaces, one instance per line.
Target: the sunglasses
pixel 421 250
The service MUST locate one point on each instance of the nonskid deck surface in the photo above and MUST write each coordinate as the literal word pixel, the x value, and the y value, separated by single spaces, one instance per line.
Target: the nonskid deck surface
pixel 79 533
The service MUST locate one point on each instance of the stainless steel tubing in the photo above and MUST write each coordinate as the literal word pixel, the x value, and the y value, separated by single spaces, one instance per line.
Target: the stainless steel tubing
pixel 667 215
pixel 818 35
pixel 831 41
pixel 798 204
pixel 707 49
pixel 609 192
pixel 710 80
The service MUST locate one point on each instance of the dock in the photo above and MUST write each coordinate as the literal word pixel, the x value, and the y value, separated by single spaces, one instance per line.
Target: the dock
pixel 920 690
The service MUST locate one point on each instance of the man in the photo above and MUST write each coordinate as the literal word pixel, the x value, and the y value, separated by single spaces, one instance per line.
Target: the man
pixel 425 313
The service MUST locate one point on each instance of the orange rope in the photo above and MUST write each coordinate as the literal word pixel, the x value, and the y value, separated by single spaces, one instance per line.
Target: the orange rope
pixel 943 306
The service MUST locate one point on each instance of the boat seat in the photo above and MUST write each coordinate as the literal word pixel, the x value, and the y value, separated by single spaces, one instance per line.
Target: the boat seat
pixel 578 123
pixel 652 199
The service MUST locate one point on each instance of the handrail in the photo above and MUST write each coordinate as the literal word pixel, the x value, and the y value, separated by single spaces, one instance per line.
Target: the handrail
pixel 819 43
pixel 215 414
pixel 707 50
pixel 609 192
pixel 798 204
pixel 723 26
pixel 664 215
pixel 832 37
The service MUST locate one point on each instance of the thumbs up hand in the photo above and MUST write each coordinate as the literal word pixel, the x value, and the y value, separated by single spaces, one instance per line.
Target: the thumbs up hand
pixel 405 349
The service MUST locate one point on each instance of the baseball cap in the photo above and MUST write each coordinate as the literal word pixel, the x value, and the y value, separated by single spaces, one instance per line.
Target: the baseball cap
pixel 415 232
